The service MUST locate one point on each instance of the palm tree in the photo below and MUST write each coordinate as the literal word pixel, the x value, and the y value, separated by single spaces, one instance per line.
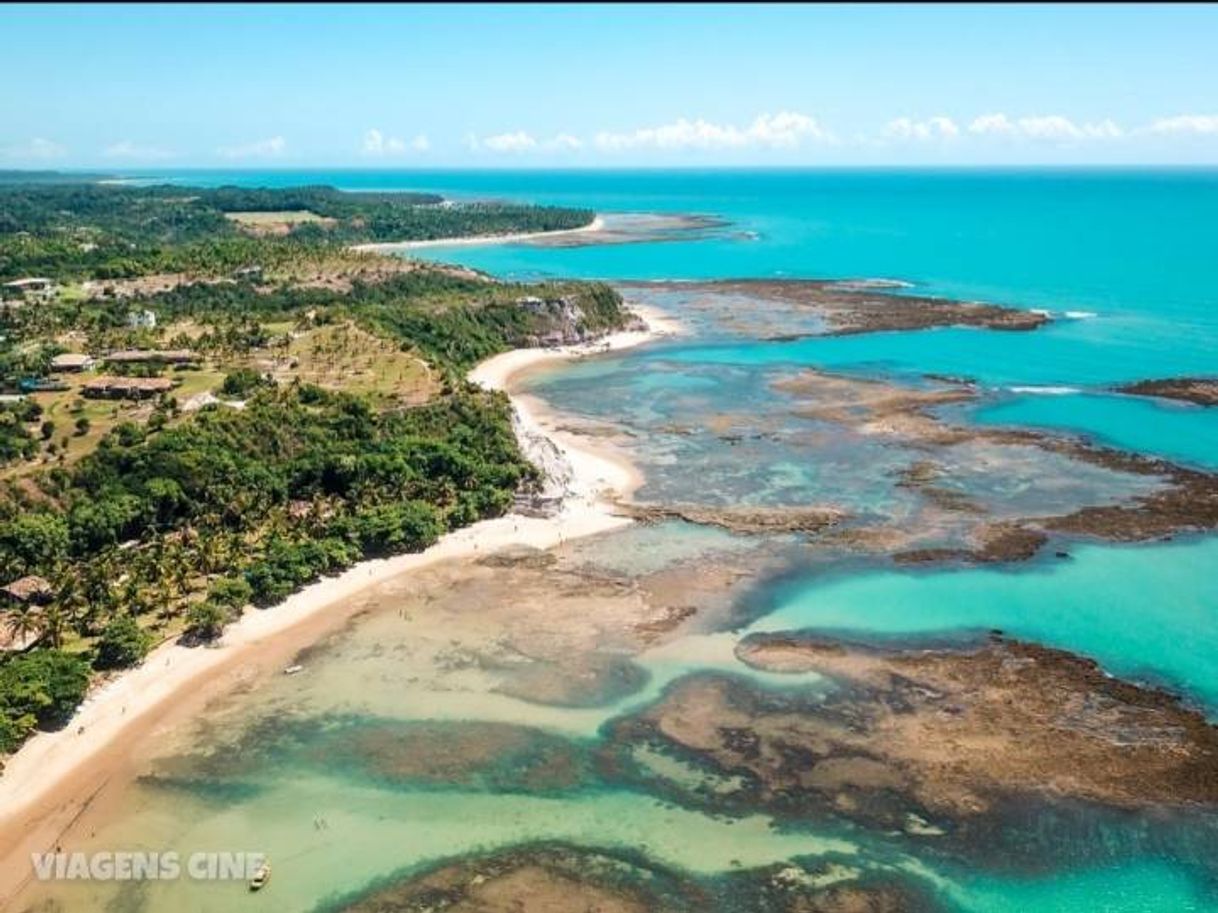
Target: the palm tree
pixel 72 597
pixel 52 622
pixel 23 624
pixel 213 550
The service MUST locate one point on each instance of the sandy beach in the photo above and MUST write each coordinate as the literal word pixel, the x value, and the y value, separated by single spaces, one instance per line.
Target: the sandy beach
pixel 389 247
pixel 53 777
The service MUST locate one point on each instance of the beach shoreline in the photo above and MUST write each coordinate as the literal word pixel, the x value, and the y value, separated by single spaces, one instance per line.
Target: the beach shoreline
pixel 388 247
pixel 52 779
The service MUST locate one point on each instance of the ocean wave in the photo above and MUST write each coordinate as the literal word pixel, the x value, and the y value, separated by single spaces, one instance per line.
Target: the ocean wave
pixel 1045 391
pixel 873 283
pixel 1081 315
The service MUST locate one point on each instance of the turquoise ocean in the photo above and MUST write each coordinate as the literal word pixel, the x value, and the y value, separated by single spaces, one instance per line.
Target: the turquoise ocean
pixel 1124 260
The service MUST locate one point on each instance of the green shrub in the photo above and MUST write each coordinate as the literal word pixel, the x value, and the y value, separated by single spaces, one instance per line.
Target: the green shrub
pixel 41 688
pixel 242 382
pixel 231 592
pixel 123 643
pixel 206 620
pixel 31 542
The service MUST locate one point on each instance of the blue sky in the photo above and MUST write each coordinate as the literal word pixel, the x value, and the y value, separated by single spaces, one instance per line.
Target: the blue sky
pixel 517 86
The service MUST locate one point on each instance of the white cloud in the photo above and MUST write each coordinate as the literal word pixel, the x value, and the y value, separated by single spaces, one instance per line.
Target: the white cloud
pixel 521 141
pixel 376 143
pixel 564 142
pixel 518 141
pixel 260 149
pixel 1050 127
pixel 993 124
pixel 134 151
pixel 785 130
pixel 790 130
pixel 36 149
pixel 1196 124
pixel 1056 127
pixel 904 128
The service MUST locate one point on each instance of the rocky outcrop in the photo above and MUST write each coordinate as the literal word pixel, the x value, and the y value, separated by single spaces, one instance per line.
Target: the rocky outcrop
pixel 556 878
pixel 564 321
pixel 935 740
pixel 859 308
pixel 1203 391
pixel 741 519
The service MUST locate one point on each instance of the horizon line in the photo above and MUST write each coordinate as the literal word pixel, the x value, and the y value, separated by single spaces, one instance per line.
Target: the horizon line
pixel 869 166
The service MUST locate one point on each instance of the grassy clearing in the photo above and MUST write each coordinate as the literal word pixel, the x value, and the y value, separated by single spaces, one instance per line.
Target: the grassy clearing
pixel 64 408
pixel 343 356
pixel 198 381
pixel 278 217
pixel 277 223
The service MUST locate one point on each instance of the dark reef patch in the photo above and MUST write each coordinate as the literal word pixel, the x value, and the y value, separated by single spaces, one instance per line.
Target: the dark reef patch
pixel 956 493
pixel 385 752
pixel 850 309
pixel 998 749
pixel 558 878
pixel 1201 391
pixel 740 519
pixel 1181 499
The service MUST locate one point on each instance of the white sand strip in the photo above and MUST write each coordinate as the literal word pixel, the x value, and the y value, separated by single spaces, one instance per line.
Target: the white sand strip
pixel 388 247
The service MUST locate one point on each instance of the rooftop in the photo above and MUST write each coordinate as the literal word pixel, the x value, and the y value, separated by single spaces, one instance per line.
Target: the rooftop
pixel 30 282
pixel 112 384
pixel 29 587
pixel 135 355
pixel 71 360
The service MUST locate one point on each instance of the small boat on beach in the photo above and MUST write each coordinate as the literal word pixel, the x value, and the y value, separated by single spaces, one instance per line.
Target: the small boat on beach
pixel 292 670
pixel 261 876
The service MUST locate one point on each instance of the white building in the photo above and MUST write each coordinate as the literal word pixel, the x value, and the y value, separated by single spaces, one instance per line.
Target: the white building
pixel 141 320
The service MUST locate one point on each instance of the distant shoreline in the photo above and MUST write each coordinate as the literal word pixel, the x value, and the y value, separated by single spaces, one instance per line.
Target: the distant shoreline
pixel 55 776
pixel 386 247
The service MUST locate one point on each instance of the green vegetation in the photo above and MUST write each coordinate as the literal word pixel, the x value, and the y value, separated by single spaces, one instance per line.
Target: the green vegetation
pixel 16 441
pixel 74 231
pixel 241 382
pixel 41 688
pixel 122 643
pixel 358 435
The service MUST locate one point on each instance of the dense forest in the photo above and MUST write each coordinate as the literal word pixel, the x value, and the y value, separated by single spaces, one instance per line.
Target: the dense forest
pixel 104 231
pixel 312 423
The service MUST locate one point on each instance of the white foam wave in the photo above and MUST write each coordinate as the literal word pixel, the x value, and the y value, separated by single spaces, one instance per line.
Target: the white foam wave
pixel 1045 391
pixel 874 283
pixel 1081 315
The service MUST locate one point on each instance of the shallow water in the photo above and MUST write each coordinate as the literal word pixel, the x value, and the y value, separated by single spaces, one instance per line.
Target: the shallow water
pixel 365 834
pixel 1141 887
pixel 1161 630
pixel 1176 431
pixel 704 419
